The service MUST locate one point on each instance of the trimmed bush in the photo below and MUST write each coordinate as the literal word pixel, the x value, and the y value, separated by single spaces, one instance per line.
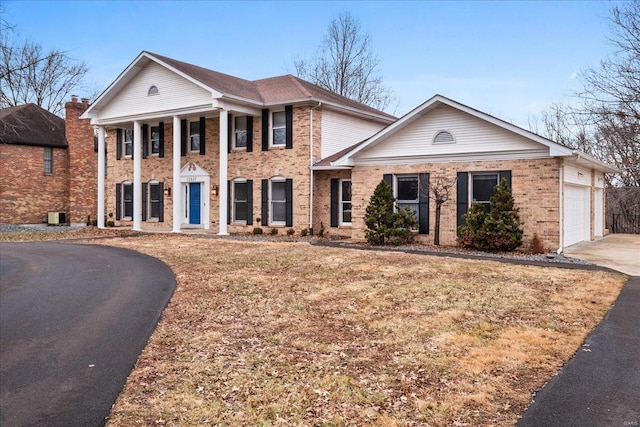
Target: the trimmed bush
pixel 384 224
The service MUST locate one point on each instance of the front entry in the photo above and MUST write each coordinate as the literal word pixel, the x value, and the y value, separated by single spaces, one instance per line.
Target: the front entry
pixel 194 202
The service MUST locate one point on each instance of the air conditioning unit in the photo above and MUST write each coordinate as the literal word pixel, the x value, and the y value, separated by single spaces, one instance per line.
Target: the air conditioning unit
pixel 57 218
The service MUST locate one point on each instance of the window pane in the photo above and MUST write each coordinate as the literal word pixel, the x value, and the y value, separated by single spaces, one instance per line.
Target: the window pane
pixel 483 186
pixel 194 132
pixel 240 211
pixel 278 119
pixel 279 212
pixel 346 191
pixel 155 210
pixel 241 138
pixel 48 160
pixel 278 191
pixel 127 192
pixel 240 191
pixel 128 149
pixel 279 136
pixel 346 212
pixel 155 139
pixel 407 188
pixel 241 123
pixel 154 192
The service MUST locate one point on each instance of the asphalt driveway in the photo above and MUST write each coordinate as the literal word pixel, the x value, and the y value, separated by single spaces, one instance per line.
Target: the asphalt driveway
pixel 73 321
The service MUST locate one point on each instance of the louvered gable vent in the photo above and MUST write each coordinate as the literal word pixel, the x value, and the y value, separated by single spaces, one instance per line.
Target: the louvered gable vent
pixel 443 137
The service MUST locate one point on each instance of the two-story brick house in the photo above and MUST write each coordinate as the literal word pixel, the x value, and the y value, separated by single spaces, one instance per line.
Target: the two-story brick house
pixel 190 147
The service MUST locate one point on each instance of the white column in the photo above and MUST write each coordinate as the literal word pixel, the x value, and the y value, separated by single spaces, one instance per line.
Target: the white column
pixel 137 176
pixel 222 175
pixel 176 193
pixel 101 170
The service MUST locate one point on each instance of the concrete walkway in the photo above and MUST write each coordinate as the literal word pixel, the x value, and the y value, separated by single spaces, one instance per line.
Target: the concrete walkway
pixel 600 385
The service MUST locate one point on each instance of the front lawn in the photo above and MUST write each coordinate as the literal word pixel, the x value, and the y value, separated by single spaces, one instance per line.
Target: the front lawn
pixel 262 333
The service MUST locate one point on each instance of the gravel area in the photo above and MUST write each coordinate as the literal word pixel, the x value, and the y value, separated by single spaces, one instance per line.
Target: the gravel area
pixel 12 228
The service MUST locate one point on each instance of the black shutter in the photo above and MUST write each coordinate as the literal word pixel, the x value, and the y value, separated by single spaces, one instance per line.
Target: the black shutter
pixel 388 178
pixel 118 144
pixel 249 202
pixel 161 204
pixel 335 203
pixel 183 137
pixel 161 144
pixel 145 187
pixel 288 194
pixel 506 175
pixel 228 202
pixel 288 120
pixel 462 197
pixel 265 129
pixel 230 133
pixel 133 144
pixel 265 202
pixel 249 134
pixel 118 200
pixel 145 141
pixel 203 141
pixel 423 203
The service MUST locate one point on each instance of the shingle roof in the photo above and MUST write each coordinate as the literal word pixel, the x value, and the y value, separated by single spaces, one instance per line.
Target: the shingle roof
pixel 269 91
pixel 30 124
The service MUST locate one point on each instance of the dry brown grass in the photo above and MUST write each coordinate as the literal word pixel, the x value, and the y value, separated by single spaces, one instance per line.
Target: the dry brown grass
pixel 262 333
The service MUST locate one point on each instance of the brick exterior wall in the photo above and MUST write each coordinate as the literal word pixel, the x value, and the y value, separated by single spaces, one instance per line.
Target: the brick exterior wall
pixel 27 194
pixel 534 185
pixel 83 161
pixel 256 165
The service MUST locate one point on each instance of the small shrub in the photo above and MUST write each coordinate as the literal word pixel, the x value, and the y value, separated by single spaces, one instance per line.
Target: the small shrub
pixel 321 230
pixel 273 231
pixel 291 232
pixel 111 224
pixel 88 220
pixel 384 225
pixel 304 232
pixel 257 230
pixel 536 246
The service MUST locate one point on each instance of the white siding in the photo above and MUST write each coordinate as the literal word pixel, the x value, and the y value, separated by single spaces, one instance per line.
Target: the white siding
pixel 340 131
pixel 577 175
pixel 174 92
pixel 472 135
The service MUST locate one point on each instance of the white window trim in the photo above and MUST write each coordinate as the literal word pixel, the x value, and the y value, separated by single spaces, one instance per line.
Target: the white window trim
pixel 149 217
pixel 271 129
pixel 233 133
pixel 191 150
pixel 271 181
pixel 406 202
pixel 471 175
pixel 124 217
pixel 151 153
pixel 233 202
pixel 342 202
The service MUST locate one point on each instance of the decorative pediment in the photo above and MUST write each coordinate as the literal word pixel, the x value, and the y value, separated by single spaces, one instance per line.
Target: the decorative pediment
pixel 191 169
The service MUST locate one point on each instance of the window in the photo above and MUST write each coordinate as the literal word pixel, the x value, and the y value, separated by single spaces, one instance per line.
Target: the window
pixel 482 187
pixel 279 128
pixel 444 137
pixel 278 201
pixel 127 141
pixel 127 200
pixel 345 202
pixel 240 201
pixel 194 136
pixel 48 160
pixel 240 132
pixel 154 138
pixel 154 200
pixel 407 192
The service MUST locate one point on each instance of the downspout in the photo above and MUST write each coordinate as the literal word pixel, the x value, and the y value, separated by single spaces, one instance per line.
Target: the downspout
pixel 311 167
pixel 561 210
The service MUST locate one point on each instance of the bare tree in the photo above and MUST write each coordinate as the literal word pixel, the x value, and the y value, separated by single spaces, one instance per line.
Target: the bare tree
pixel 28 74
pixel 346 64
pixel 441 189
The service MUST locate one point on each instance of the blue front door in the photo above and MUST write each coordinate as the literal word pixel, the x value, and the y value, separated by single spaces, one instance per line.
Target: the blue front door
pixel 194 203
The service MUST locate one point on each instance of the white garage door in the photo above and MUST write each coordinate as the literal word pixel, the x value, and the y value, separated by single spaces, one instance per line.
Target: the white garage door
pixel 576 214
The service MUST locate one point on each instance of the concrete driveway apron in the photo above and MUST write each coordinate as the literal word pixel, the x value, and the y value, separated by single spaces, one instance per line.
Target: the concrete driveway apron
pixel 600 385
pixel 73 321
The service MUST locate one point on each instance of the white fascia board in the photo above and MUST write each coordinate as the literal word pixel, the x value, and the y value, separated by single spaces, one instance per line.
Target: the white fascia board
pixel 448 158
pixel 243 106
pixel 585 159
pixel 330 168
pixel 156 115
pixel 332 105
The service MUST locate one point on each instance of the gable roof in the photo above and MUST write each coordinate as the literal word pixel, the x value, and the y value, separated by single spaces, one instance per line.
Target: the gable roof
pixel 263 93
pixel 30 124
pixel 555 149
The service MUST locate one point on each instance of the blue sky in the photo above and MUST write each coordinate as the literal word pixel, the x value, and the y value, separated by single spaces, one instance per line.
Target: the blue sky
pixel 509 59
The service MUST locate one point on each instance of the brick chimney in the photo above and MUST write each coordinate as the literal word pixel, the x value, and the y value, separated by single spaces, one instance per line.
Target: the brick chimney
pixel 83 162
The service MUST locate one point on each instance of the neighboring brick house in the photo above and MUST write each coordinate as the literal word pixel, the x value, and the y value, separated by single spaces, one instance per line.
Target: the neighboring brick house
pixel 190 147
pixel 41 169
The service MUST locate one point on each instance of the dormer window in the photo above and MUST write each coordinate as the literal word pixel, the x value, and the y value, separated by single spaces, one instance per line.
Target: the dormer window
pixel 153 90
pixel 444 137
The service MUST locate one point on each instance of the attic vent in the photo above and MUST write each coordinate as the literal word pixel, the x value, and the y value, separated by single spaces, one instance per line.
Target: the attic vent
pixel 443 137
pixel 153 90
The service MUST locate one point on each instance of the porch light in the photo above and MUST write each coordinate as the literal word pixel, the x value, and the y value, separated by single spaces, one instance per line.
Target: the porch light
pixel 214 190
pixel 167 191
